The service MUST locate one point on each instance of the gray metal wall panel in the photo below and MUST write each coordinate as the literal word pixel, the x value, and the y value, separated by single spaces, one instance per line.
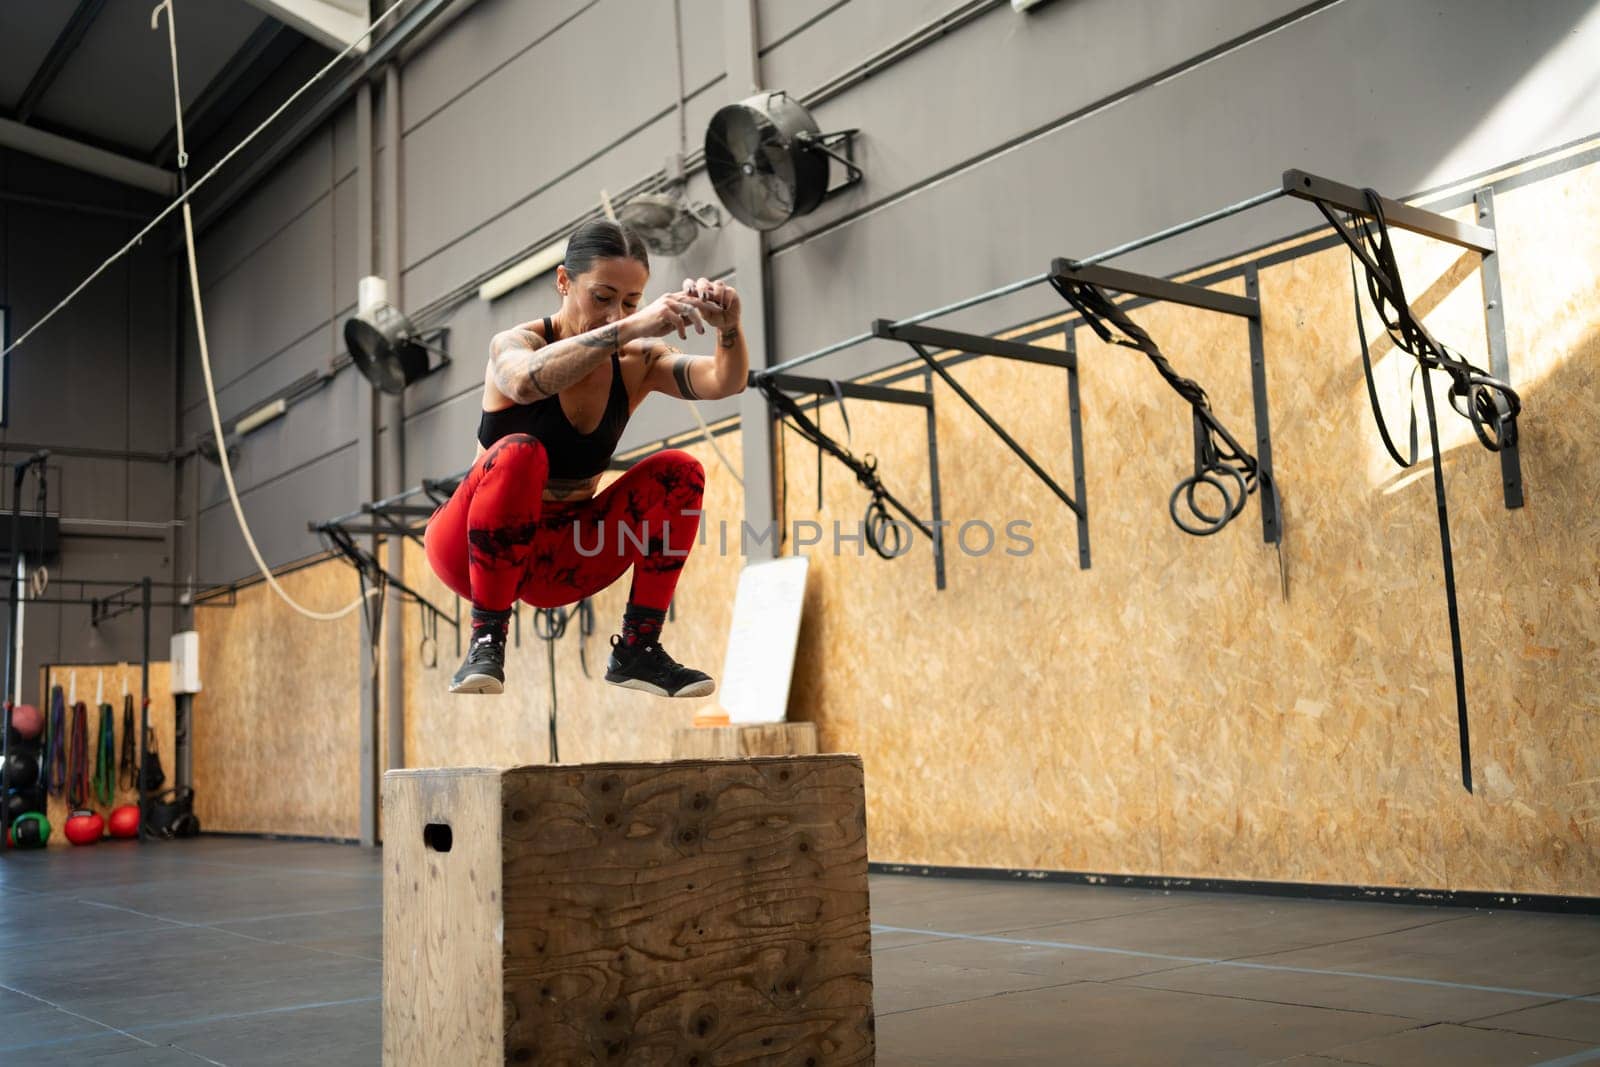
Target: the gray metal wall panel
pixel 781 18
pixel 344 141
pixel 272 300
pixel 440 441
pixel 703 47
pixel 953 100
pixel 324 422
pixel 278 513
pixel 85 488
pixel 298 183
pixel 853 32
pixel 152 398
pixel 150 492
pixel 662 416
pixel 244 394
pixel 539 114
pixel 343 239
pixel 490 36
pixel 52 399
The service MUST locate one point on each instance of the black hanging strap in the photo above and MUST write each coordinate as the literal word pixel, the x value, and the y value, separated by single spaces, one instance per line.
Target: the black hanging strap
pixel 128 765
pixel 1491 405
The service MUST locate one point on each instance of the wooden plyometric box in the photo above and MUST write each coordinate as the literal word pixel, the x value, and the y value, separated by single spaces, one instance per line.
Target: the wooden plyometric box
pixel 759 739
pixel 687 912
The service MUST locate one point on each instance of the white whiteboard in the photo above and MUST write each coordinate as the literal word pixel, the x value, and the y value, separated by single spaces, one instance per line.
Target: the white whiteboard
pixel 762 638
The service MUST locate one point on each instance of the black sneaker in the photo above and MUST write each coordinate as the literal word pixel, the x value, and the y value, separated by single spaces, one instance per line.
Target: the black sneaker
pixel 648 668
pixel 484 670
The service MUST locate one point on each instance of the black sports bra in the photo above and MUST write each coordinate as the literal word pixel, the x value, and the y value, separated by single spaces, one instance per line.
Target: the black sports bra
pixel 573 455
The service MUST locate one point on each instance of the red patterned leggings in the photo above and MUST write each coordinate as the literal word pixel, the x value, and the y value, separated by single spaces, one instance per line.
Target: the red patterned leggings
pixel 497 540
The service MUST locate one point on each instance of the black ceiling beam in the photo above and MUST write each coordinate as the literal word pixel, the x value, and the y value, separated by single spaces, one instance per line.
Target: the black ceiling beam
pixel 263 52
pixel 66 43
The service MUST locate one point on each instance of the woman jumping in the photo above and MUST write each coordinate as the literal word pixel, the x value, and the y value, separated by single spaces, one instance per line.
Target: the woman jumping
pixel 526 522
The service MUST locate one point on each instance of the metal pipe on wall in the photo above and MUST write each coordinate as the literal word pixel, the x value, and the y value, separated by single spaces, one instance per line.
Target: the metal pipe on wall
pixel 392 461
pixel 366 466
pixel 743 64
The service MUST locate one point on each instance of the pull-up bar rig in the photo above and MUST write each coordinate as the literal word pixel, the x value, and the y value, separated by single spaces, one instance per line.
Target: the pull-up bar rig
pixel 1492 407
pixel 923 340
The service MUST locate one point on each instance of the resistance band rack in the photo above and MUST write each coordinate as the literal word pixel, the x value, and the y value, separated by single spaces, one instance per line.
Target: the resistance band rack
pixel 125 597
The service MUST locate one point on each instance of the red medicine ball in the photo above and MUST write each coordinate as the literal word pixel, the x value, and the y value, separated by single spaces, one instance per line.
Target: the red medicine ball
pixel 85 827
pixel 125 821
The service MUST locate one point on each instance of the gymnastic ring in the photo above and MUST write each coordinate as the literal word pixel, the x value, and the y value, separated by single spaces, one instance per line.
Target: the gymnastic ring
pixel 1187 483
pixel 1232 505
pixel 1194 505
pixel 1493 411
pixel 878 524
pixel 39 580
pixel 429 645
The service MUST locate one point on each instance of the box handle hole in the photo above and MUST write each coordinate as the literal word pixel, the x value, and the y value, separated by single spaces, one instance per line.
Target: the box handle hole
pixel 436 835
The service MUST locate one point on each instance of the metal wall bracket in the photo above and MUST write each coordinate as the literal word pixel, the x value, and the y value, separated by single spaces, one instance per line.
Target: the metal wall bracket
pixel 922 338
pixel 1494 322
pixel 1480 238
pixel 390 517
pixel 1247 307
pixel 1349 199
pixel 826 389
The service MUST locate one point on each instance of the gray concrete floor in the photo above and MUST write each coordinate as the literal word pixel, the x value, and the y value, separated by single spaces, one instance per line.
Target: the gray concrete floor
pixel 252 952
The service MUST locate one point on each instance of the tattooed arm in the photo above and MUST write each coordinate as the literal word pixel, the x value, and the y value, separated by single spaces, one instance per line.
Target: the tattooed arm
pixel 671 372
pixel 525 368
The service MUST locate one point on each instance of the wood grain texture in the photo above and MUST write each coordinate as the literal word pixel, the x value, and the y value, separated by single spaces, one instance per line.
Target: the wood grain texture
pixel 442 993
pixel 709 912
pixel 1166 712
pixel 277 728
pixel 732 742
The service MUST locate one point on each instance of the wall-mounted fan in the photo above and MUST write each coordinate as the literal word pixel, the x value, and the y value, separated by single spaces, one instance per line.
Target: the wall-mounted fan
pixel 389 351
pixel 667 222
pixel 769 163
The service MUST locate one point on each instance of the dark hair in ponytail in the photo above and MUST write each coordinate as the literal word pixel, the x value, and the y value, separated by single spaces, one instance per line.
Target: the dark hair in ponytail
pixel 603 239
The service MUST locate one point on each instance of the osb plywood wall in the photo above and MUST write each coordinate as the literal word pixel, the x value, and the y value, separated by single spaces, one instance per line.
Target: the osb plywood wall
pixel 595 721
pixel 109 679
pixel 1167 712
pixel 276 730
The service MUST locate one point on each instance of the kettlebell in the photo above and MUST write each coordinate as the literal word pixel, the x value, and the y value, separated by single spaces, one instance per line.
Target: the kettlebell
pixel 30 831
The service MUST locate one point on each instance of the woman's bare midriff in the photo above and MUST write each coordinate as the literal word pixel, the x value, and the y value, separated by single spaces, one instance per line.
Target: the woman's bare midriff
pixel 562 489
